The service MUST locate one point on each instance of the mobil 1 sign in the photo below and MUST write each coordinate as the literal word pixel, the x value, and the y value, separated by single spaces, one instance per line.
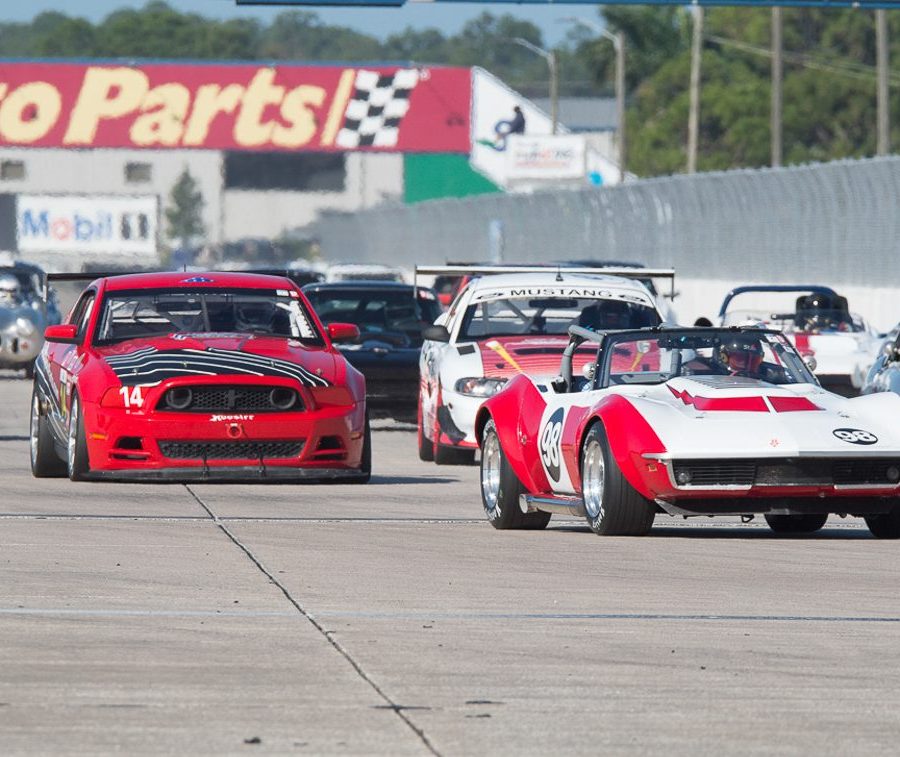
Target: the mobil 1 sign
pixel 87 224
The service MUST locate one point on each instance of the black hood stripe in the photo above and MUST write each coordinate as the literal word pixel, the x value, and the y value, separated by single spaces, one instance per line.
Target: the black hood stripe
pixel 152 365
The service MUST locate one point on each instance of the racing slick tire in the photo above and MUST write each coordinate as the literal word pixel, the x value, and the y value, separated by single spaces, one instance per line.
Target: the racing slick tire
pixel 452 456
pixel 500 488
pixel 796 524
pixel 885 526
pixel 77 464
pixel 612 506
pixel 444 455
pixel 426 446
pixel 45 463
pixel 365 466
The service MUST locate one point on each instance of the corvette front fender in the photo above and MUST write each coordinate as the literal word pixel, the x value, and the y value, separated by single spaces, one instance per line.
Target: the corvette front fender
pixel 516 412
pixel 630 436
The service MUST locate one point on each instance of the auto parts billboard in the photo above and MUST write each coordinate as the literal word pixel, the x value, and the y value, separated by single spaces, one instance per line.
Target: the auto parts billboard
pixel 235 107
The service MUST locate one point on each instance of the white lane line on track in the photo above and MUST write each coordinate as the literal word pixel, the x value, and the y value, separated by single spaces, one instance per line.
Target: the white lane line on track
pixel 687 617
pixel 391 704
pixel 248 519
pixel 94 612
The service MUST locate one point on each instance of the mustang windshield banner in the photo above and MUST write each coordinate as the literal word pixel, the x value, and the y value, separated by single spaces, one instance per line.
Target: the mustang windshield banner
pixel 235 107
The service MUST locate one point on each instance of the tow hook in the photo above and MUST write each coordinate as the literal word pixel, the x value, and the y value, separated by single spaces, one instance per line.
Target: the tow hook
pixel 747 518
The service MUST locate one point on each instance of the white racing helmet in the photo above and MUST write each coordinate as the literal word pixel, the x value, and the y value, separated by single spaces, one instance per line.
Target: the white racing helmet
pixel 10 289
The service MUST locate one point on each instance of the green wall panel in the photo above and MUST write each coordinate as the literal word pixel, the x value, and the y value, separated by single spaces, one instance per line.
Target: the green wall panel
pixel 431 177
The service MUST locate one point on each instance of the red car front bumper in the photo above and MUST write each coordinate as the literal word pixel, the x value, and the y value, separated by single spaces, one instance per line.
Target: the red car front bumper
pixel 324 442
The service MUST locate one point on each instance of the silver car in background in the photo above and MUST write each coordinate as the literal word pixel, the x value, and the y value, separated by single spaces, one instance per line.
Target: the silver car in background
pixel 24 314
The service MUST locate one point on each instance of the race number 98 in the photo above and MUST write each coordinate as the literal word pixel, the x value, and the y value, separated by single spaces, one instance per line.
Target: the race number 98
pixel 855 436
pixel 549 443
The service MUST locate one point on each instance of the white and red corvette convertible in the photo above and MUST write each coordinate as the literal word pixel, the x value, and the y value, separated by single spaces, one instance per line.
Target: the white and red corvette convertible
pixel 687 422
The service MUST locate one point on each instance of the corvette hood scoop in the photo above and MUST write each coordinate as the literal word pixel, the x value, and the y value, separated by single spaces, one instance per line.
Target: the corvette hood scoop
pixel 150 361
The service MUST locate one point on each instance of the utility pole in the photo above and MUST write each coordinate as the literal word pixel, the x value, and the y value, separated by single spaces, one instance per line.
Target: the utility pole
pixel 777 78
pixel 694 114
pixel 620 101
pixel 881 54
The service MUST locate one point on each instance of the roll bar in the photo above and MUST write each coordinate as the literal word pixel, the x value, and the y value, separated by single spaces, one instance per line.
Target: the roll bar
pixel 811 289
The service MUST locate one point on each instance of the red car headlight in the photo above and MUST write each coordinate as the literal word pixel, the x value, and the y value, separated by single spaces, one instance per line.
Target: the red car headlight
pixel 112 397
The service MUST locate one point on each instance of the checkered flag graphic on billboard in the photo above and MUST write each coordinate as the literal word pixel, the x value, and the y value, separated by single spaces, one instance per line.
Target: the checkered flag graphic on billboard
pixel 376 108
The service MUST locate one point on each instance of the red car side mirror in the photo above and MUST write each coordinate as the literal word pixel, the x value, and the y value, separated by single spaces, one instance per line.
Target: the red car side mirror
pixel 66 333
pixel 343 332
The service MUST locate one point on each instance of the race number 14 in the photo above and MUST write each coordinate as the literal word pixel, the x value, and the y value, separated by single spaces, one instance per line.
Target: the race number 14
pixel 131 396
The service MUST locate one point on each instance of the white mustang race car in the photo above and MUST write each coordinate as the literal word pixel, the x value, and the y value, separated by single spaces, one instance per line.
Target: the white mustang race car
pixel 819 324
pixel 687 422
pixel 509 323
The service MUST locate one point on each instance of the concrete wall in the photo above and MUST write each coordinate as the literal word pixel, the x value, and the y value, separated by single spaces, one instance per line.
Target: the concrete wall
pixel 228 214
pixel 371 180
pixel 103 172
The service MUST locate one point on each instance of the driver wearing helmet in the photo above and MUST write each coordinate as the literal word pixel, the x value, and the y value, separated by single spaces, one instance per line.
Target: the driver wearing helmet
pixel 10 290
pixel 821 312
pixel 606 315
pixel 742 355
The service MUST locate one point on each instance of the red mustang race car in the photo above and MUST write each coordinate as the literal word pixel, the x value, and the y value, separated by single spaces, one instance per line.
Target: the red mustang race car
pixel 183 376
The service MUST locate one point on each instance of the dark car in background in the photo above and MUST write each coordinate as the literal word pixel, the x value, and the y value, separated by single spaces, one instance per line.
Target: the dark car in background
pixel 390 317
pixel 300 276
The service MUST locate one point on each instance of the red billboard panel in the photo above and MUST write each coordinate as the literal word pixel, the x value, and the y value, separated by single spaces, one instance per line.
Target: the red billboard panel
pixel 235 107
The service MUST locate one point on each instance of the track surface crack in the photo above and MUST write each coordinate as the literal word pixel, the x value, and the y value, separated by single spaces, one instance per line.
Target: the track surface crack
pixel 397 708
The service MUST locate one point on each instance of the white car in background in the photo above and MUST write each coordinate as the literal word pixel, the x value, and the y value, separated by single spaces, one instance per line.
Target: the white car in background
pixel 841 346
pixel 513 321
pixel 364 272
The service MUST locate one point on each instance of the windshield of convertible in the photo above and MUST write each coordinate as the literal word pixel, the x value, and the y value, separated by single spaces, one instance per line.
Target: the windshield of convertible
pixel 505 314
pixel 142 313
pixel 726 358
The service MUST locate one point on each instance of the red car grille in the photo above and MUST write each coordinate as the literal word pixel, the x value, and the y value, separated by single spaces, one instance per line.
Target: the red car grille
pixel 788 472
pixel 221 399
pixel 238 450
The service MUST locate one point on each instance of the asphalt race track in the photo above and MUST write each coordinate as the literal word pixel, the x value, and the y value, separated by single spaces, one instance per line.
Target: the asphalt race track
pixel 392 619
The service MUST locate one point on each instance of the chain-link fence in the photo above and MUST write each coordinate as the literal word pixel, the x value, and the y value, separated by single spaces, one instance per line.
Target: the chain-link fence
pixel 835 222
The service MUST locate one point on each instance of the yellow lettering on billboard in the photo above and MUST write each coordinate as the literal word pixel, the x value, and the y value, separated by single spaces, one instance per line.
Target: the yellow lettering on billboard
pixel 209 102
pixel 249 130
pixel 29 112
pixel 164 110
pixel 105 93
pixel 302 119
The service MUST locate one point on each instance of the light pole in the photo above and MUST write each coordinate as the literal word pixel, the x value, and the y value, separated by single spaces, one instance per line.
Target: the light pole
pixel 550 57
pixel 618 41
pixel 881 57
pixel 694 111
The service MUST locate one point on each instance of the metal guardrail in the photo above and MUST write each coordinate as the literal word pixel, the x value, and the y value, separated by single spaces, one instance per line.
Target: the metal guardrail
pixel 835 222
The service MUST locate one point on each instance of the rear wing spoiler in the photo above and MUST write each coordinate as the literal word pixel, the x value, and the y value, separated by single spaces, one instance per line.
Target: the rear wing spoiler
pixel 51 277
pixel 487 270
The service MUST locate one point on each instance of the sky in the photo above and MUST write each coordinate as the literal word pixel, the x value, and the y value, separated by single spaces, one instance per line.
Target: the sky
pixel 379 22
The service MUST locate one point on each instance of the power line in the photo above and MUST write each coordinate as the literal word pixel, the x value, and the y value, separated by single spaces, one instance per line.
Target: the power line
pixel 852 70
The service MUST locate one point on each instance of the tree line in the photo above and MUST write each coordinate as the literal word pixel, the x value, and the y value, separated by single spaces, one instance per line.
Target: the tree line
pixel 829 74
